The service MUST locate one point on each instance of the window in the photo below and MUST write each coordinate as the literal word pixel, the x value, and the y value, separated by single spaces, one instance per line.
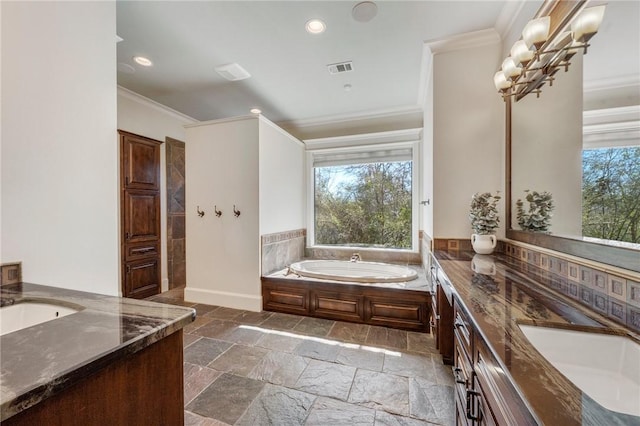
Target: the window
pixel 364 197
pixel 611 193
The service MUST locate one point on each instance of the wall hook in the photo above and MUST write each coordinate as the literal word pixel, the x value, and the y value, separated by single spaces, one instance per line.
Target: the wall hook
pixel 218 212
pixel 200 212
pixel 236 212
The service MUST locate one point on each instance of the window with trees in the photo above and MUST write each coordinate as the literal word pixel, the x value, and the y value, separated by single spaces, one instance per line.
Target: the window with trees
pixel 611 193
pixel 364 198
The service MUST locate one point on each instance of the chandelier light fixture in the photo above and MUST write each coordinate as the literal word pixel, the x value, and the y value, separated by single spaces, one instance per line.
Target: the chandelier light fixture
pixel 534 59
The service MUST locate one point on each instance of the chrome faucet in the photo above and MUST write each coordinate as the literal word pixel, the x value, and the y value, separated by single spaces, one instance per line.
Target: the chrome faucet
pixel 355 257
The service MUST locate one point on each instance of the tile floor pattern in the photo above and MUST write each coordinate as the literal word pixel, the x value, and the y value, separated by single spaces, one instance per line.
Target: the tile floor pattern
pixel 250 368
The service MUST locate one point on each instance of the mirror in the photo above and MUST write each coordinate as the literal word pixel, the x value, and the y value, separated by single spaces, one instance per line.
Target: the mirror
pixel 592 106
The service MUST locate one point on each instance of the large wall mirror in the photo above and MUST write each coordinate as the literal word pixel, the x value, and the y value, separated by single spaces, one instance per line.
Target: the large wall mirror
pixel 580 141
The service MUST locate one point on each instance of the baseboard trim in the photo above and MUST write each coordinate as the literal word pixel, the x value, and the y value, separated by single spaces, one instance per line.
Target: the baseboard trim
pixel 223 298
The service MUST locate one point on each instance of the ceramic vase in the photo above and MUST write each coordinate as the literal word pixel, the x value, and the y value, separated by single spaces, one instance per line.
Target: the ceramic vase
pixel 483 244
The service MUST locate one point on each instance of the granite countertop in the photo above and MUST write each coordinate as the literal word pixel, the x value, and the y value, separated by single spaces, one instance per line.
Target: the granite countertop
pixel 518 292
pixel 40 361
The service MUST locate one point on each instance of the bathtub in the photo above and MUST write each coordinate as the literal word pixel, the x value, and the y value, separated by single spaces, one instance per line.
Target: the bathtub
pixel 361 272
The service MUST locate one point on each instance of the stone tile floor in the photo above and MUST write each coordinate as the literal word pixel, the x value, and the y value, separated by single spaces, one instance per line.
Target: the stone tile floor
pixel 250 368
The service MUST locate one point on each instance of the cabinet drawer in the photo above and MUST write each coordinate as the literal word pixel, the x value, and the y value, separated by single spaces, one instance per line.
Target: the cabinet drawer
pixel 142 278
pixel 140 251
pixel 463 330
pixel 401 313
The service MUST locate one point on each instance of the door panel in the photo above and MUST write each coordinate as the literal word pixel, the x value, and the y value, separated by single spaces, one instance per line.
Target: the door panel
pixel 142 216
pixel 142 163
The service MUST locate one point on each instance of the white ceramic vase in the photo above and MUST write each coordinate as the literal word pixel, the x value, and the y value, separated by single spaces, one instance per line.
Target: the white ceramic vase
pixel 483 244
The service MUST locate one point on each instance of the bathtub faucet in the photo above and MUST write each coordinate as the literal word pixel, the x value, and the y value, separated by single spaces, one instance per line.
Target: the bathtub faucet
pixel 355 257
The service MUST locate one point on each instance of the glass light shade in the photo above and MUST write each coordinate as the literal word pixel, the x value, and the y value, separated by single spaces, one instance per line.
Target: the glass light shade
pixel 587 23
pixel 510 68
pixel 536 31
pixel 520 52
pixel 500 81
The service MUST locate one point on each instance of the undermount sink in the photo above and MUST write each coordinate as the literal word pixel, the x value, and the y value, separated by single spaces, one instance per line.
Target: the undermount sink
pixel 27 314
pixel 604 366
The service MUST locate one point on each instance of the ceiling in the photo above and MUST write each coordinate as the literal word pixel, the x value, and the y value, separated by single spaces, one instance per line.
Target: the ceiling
pixel 290 81
pixel 289 77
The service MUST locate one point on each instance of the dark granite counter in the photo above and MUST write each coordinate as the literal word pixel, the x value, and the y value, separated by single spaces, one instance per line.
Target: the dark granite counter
pixel 514 292
pixel 40 361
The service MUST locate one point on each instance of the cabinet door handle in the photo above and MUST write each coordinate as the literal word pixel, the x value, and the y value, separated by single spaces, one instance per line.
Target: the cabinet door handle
pixel 471 394
pixel 456 376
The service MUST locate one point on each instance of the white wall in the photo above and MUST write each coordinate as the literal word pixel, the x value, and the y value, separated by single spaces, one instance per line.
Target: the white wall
pixel 282 180
pixel 59 143
pixel 426 211
pixel 142 116
pixel 223 254
pixel 547 151
pixel 468 136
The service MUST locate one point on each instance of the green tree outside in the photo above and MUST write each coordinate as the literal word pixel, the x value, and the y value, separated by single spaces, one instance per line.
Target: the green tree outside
pixel 364 205
pixel 611 194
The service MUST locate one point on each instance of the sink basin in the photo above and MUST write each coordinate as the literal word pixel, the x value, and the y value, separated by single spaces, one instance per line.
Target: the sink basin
pixel 27 314
pixel 604 366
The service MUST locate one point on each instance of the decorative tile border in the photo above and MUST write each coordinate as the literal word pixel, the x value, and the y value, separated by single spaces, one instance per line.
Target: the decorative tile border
pixel 594 285
pixel 282 236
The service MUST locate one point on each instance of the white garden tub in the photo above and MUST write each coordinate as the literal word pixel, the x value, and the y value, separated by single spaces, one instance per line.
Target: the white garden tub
pixel 361 272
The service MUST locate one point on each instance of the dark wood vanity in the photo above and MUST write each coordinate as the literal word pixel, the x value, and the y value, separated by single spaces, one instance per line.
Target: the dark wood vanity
pixel 500 378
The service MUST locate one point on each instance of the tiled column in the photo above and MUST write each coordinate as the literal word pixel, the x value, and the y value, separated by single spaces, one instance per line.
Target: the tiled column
pixel 175 214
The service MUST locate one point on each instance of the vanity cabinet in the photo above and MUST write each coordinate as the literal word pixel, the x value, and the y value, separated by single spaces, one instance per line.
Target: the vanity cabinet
pixel 442 312
pixel 484 396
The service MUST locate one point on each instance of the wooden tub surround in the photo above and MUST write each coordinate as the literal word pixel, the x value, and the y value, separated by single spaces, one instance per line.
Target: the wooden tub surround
pixel 404 306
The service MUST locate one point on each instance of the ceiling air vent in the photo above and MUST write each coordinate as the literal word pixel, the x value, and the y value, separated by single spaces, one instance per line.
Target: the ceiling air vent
pixel 340 67
pixel 232 72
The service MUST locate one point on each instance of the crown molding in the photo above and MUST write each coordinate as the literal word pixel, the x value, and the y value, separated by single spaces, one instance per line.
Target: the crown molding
pixel 393 136
pixel 611 115
pixel 223 120
pixel 136 97
pixel 611 127
pixel 344 118
pixel 463 41
pixel 618 82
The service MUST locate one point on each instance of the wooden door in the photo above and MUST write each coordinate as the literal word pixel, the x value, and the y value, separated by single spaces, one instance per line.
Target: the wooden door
pixel 140 215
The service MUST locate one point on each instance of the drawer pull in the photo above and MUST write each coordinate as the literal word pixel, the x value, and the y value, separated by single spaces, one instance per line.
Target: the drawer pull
pixel 142 250
pixel 470 415
pixel 456 376
pixel 458 323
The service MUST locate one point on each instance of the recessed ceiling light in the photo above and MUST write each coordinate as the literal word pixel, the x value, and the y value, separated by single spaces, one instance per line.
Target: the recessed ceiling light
pixel 256 111
pixel 141 60
pixel 315 26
